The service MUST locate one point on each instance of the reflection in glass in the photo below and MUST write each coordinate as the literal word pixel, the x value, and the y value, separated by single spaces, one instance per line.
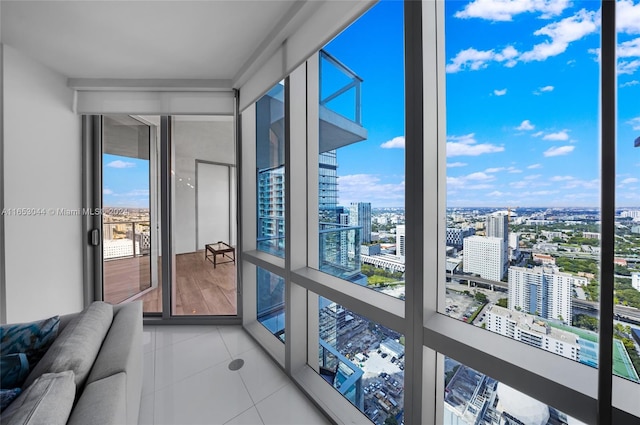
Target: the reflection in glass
pixel 270 139
pixel 270 303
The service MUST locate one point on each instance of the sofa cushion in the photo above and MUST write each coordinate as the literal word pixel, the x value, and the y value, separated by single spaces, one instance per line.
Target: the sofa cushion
pixel 47 402
pixel 32 339
pixel 103 402
pixel 77 346
pixel 7 396
pixel 14 369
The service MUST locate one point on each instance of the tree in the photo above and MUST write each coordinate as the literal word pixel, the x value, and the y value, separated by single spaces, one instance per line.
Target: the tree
pixel 502 302
pixel 391 420
pixel 480 297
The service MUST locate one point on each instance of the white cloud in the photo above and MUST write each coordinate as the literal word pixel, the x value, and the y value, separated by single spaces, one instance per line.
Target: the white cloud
pixel 546 88
pixel 396 142
pixel 505 10
pixel 494 170
pixel 534 166
pixel 496 194
pixel 476 181
pixel 500 92
pixel 629 180
pixel 467 146
pixel 107 191
pixel 121 164
pixel 561 34
pixel 561 178
pixel 357 187
pixel 537 134
pixel 474 60
pixel 628 67
pixel 629 49
pixel 628 17
pixel 456 164
pixel 560 150
pixel 525 126
pixel 533 177
pixel 635 123
pixel 630 83
pixel 514 170
pixel 584 184
pixel 560 135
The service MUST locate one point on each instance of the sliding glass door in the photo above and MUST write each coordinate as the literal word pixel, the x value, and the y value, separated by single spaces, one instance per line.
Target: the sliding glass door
pixel 187 174
pixel 129 239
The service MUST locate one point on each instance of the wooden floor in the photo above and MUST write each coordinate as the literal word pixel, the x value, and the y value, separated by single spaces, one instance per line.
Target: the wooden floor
pixel 200 289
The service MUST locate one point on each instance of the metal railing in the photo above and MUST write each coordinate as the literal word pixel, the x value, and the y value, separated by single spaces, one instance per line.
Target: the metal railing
pixel 355 83
pixel 130 230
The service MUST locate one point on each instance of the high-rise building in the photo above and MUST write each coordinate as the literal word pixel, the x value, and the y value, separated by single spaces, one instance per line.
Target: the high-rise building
pixel 271 205
pixel 543 291
pixel 514 246
pixel 360 215
pixel 400 244
pixel 635 281
pixel 497 226
pixel 328 187
pixel 525 328
pixel 484 256
pixel 455 236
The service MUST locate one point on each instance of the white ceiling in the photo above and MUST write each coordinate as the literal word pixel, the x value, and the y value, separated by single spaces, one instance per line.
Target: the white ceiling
pixel 145 39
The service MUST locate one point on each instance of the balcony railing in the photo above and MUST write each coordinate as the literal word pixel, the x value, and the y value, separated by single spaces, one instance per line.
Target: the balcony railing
pixel 340 250
pixel 126 239
pixel 271 235
pixel 347 377
pixel 354 83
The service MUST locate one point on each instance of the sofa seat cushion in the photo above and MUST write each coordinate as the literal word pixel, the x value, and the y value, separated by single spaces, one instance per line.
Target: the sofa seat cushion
pixel 48 401
pixel 33 338
pixel 77 346
pixel 103 402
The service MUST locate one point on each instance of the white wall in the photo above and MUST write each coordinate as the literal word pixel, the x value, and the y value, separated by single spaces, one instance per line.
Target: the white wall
pixel 203 138
pixel 42 169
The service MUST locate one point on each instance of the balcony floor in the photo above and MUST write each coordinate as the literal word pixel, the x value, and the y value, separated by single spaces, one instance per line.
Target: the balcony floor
pixel 200 289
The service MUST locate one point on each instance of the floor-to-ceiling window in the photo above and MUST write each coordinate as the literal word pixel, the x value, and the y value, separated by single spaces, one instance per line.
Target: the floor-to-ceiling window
pixel 495 316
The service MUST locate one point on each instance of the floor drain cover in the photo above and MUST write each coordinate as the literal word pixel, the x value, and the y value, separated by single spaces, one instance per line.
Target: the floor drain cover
pixel 236 364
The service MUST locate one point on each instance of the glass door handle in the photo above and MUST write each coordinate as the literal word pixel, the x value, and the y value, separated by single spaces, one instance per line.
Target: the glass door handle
pixel 95 237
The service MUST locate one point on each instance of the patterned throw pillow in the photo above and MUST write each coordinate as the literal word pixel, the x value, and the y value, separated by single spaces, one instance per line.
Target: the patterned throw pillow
pixel 32 338
pixel 14 369
pixel 7 396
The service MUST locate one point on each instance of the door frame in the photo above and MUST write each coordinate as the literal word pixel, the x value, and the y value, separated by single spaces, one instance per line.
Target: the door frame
pixel 161 183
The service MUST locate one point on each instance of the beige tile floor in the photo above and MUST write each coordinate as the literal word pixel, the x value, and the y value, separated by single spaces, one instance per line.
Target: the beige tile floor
pixel 187 380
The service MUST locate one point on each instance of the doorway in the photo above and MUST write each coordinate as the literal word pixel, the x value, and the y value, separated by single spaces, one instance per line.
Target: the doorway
pixel 202 211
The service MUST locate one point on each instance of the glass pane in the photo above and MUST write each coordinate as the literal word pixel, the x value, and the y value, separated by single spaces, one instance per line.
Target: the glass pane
pixel 522 209
pixel 126 226
pixel 270 138
pixel 362 360
pixel 361 161
pixel 471 397
pixel 203 225
pixel 270 303
pixel 627 242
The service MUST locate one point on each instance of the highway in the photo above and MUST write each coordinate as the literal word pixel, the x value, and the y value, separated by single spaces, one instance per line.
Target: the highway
pixel 619 310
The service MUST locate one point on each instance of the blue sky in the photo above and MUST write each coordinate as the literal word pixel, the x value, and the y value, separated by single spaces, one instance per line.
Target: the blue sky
pixel 522 83
pixel 125 182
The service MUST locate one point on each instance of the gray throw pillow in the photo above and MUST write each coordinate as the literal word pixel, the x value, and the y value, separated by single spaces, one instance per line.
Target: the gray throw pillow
pixel 48 401
pixel 77 346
